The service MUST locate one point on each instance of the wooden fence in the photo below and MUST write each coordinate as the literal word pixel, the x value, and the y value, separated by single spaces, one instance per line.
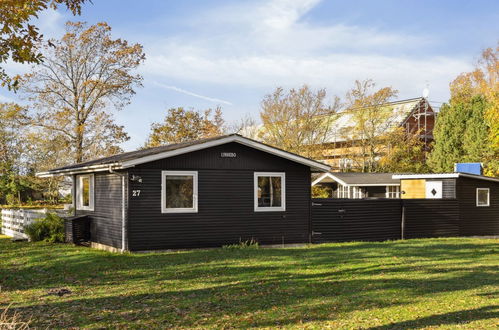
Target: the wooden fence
pixel 339 220
pixel 14 220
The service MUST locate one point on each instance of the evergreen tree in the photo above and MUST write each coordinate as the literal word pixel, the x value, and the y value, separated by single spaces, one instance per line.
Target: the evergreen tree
pixel 460 134
pixel 476 136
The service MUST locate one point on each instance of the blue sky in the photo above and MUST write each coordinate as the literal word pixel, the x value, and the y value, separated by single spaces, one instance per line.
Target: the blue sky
pixel 201 54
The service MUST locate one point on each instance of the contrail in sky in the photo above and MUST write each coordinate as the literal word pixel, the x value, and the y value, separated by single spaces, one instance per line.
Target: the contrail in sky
pixel 183 91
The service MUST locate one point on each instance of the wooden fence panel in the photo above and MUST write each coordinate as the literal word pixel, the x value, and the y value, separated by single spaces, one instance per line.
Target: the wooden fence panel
pixel 14 220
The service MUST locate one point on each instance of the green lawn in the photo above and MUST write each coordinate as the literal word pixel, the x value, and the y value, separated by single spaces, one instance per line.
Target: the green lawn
pixel 431 283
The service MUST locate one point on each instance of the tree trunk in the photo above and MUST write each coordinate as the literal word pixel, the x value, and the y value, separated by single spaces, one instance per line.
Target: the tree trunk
pixel 79 148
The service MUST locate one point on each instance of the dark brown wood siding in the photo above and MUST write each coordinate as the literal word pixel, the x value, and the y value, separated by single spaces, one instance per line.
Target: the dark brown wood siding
pixel 106 219
pixel 225 202
pixel 339 220
pixel 431 218
pixel 476 220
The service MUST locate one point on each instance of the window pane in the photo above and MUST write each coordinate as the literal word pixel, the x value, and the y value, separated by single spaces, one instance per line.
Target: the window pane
pixel 276 191
pixel 263 191
pixel 179 191
pixel 483 196
pixel 269 191
pixel 85 191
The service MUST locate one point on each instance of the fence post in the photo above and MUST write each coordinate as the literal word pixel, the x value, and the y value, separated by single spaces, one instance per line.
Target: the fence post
pixel 402 222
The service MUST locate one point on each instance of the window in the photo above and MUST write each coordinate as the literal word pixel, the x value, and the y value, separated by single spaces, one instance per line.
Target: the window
pixel 357 192
pixel 392 191
pixel 85 192
pixel 179 192
pixel 270 192
pixel 482 197
pixel 342 191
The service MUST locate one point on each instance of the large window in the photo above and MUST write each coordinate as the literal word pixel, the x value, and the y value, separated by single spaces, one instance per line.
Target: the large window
pixel 85 192
pixel 179 193
pixel 270 192
pixel 482 197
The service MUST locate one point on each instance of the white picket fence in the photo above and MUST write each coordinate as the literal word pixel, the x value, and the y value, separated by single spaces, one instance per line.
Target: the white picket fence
pixel 13 221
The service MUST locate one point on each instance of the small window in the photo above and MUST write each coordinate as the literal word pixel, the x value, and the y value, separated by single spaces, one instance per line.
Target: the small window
pixel 270 192
pixel 392 191
pixel 179 193
pixel 482 197
pixel 343 191
pixel 357 192
pixel 85 192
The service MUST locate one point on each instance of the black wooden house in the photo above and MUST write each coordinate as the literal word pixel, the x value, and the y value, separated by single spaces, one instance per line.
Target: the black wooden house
pixel 203 193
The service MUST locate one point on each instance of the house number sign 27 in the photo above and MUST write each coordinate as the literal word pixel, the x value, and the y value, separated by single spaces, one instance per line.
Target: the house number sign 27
pixel 135 193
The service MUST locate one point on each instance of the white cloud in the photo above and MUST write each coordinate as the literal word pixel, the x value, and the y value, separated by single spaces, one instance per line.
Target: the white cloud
pixel 270 44
pixel 199 96
pixel 50 23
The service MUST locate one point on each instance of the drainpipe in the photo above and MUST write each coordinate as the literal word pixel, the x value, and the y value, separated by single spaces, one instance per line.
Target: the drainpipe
pixel 123 202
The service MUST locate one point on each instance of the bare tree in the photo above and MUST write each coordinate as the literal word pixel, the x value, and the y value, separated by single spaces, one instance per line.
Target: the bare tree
pixel 372 118
pixel 299 120
pixel 84 76
pixel 245 126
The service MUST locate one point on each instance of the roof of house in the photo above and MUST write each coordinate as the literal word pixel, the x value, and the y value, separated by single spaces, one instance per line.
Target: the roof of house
pixel 130 159
pixel 342 127
pixel 444 176
pixel 358 179
pixel 342 130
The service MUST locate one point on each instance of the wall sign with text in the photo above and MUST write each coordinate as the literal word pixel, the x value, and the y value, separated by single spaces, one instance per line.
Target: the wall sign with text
pixel 228 155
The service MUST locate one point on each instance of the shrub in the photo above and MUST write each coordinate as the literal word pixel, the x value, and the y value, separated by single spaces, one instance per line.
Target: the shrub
pixel 319 191
pixel 48 229
pixel 250 244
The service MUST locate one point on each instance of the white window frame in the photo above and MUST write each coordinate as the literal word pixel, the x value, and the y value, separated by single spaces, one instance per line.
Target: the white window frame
pixel 393 192
pixel 79 192
pixel 357 192
pixel 194 208
pixel 343 191
pixel 281 208
pixel 488 197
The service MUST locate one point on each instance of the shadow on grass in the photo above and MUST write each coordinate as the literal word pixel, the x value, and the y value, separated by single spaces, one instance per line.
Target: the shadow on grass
pixel 279 286
pixel 454 318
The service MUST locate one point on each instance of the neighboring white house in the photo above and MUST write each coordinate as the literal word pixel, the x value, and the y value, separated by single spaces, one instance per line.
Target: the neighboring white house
pixel 359 185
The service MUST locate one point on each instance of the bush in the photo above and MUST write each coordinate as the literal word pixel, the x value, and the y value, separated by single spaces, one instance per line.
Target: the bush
pixel 319 191
pixel 48 229
pixel 251 244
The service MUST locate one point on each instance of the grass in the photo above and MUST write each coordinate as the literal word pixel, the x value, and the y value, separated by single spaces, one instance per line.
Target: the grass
pixel 430 283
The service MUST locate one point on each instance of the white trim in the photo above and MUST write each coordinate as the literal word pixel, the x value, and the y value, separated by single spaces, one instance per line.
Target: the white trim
pixel 232 138
pixel 281 208
pixel 91 188
pixel 374 184
pixel 79 170
pixel 194 208
pixel 123 214
pixel 443 176
pixel 333 177
pixel 488 197
pixel 425 176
